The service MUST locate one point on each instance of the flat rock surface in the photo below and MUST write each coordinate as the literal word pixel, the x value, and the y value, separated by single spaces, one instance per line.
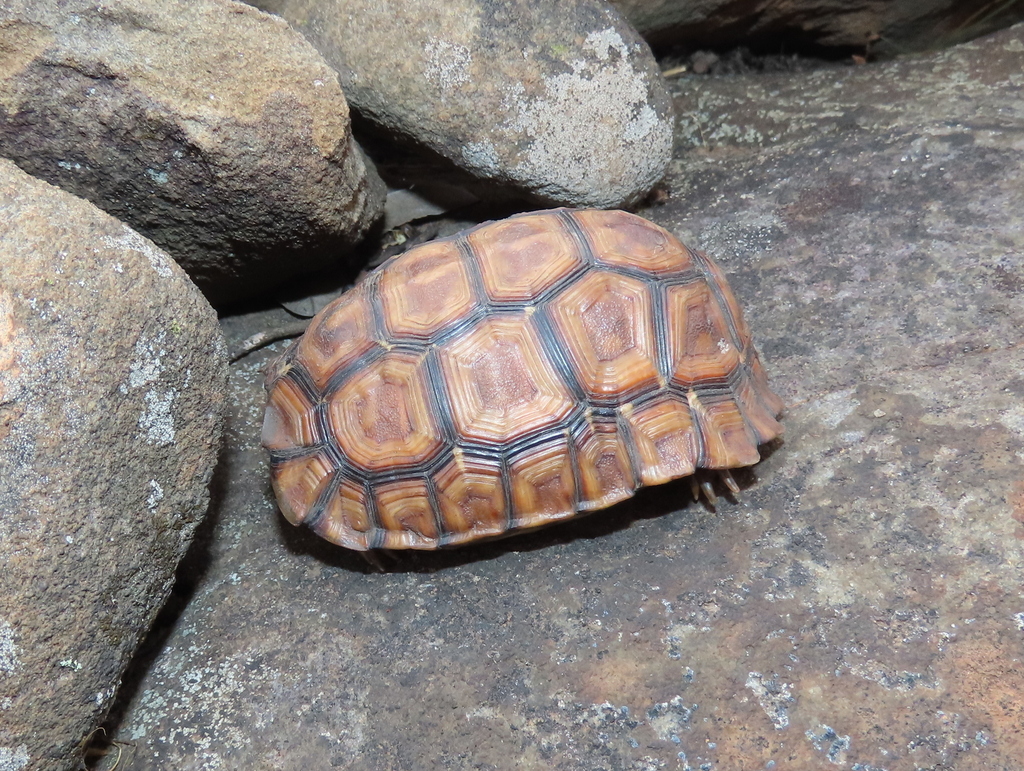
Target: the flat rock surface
pixel 112 382
pixel 858 606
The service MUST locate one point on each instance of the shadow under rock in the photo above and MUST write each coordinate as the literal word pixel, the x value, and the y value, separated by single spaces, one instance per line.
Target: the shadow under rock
pixel 102 752
pixel 647 504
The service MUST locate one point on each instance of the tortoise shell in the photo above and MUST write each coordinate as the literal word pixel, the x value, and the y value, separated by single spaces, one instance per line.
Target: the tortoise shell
pixel 511 376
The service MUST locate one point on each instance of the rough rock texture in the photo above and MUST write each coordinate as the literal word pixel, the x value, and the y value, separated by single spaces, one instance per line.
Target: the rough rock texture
pixel 858 607
pixel 560 100
pixel 870 26
pixel 747 114
pixel 211 128
pixel 111 388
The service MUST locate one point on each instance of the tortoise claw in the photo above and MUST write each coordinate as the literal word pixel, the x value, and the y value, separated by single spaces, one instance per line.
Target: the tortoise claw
pixel 266 337
pixel 727 479
pixel 381 560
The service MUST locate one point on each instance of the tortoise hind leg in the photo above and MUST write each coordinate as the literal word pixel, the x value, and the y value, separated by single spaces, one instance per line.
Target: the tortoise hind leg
pixel 381 560
pixel 702 484
pixel 709 491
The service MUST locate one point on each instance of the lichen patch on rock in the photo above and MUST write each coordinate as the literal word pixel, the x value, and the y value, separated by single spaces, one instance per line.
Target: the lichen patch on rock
pixel 598 110
pixel 9 661
pixel 448 64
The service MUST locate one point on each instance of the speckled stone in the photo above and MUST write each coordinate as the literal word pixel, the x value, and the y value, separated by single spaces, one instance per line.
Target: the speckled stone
pixel 859 605
pixel 209 127
pixel 112 380
pixel 558 100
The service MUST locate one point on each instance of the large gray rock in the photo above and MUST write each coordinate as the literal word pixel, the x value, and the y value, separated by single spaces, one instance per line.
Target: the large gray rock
pixel 866 26
pixel 111 387
pixel 211 128
pixel 859 605
pixel 559 100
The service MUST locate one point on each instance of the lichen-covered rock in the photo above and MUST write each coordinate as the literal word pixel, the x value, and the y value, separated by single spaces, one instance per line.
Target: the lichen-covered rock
pixel 867 26
pixel 858 606
pixel 111 387
pixel 558 99
pixel 209 127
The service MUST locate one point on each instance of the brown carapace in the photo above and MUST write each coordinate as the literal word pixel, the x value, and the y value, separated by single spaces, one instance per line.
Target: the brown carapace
pixel 510 376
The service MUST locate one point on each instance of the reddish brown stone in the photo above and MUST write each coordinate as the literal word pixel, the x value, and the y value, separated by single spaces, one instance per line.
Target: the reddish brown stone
pixel 209 127
pixel 112 378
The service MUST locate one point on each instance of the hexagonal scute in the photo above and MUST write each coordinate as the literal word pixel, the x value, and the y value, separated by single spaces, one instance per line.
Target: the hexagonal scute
pixel 629 241
pixel 382 417
pixel 603 465
pixel 425 290
pixel 665 439
pixel 522 256
pixel 338 335
pixel 406 516
pixel 500 383
pixel 701 347
pixel 726 440
pixel 345 520
pixel 542 484
pixel 606 323
pixel 289 422
pixel 471 497
pixel 298 482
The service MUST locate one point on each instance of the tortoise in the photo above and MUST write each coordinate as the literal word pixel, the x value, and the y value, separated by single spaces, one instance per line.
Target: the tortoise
pixel 513 375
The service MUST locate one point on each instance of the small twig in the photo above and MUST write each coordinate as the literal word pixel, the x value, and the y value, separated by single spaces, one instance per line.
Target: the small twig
pixel 700 129
pixel 265 338
pixel 984 14
pixel 118 761
pixel 101 753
